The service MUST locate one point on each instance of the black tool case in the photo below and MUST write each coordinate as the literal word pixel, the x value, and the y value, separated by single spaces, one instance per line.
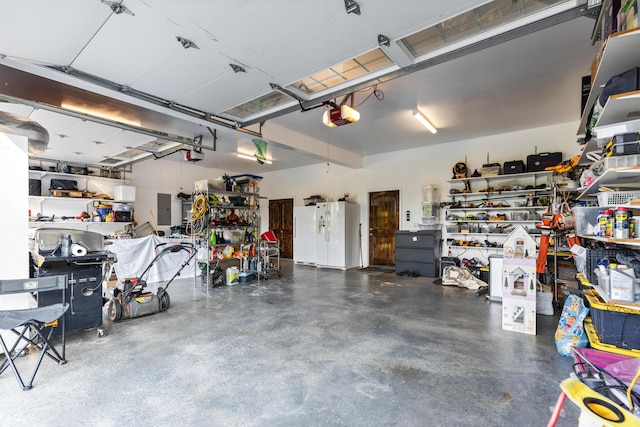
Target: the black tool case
pixel 514 166
pixel 538 162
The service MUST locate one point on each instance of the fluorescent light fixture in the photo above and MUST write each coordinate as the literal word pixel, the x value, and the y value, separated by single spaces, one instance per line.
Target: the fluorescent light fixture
pixel 100 113
pixel 247 157
pixel 422 119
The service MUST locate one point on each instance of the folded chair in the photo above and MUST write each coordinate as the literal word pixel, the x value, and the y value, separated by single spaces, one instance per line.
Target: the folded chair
pixel 33 326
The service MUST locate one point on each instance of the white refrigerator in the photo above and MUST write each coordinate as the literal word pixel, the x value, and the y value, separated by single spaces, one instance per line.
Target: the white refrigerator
pixel 337 229
pixel 304 235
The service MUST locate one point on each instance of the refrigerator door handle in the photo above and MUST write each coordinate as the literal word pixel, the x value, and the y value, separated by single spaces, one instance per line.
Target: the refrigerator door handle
pixel 294 227
pixel 327 234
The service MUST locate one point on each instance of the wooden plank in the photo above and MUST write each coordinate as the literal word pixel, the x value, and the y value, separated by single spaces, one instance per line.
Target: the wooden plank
pixel 67 193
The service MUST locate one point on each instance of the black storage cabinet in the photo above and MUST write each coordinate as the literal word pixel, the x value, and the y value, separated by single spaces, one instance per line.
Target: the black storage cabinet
pixel 83 272
pixel 418 251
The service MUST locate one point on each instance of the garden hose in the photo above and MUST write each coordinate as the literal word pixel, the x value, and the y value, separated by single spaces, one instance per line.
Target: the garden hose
pixel 198 216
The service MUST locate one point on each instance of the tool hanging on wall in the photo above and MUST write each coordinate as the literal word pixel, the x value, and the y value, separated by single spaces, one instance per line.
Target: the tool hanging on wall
pixel 546 228
pixel 460 171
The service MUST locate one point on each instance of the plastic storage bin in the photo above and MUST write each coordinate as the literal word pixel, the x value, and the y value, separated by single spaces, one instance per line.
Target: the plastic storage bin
pixel 594 255
pixel 614 198
pixel 585 219
pixel 430 194
pixel 615 325
pixel 620 161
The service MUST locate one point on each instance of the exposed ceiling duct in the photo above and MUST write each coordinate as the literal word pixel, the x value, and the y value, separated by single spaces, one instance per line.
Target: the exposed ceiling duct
pixel 37 136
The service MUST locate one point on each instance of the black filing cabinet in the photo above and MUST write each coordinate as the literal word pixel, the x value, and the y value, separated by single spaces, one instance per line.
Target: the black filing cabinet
pixel 418 252
pixel 84 292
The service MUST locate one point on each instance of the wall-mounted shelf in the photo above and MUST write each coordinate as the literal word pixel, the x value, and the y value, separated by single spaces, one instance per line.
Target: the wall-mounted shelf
pixel 619 115
pixel 626 242
pixel 502 192
pixel 615 60
pixel 509 177
pixel 488 221
pixel 43 174
pixel 71 207
pixel 491 248
pixel 616 179
pixel 497 209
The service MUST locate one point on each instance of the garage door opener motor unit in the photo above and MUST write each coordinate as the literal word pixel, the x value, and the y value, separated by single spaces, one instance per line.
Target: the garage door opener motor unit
pixel 129 299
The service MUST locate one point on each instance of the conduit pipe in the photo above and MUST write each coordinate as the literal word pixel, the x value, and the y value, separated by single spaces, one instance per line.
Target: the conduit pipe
pixel 37 136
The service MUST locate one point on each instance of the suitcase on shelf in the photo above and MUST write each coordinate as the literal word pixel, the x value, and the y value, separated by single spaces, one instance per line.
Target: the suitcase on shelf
pixel 514 166
pixel 538 162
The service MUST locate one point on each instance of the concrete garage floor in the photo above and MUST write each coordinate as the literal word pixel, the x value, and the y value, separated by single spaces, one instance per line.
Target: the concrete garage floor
pixel 315 348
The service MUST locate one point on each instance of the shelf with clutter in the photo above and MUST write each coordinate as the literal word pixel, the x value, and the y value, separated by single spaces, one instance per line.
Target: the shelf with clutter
pixel 81 198
pixel 225 217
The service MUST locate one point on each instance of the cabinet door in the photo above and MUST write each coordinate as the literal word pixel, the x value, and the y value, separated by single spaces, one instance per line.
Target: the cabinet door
pixel 281 223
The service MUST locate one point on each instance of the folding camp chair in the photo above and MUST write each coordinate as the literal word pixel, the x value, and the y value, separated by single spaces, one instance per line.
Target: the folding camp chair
pixel 33 326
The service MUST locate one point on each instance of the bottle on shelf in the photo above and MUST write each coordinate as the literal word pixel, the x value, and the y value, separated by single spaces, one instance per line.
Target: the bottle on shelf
pixel 621 230
pixel 605 223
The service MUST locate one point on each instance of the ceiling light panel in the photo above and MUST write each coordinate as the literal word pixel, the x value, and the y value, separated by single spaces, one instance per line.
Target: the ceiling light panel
pixel 347 71
pixel 264 103
pixel 110 161
pixel 473 22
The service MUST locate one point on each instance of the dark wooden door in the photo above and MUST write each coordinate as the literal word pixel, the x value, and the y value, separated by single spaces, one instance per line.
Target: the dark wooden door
pixel 384 220
pixel 281 223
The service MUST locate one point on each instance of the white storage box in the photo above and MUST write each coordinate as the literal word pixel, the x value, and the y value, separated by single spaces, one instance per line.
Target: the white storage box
pixel 124 193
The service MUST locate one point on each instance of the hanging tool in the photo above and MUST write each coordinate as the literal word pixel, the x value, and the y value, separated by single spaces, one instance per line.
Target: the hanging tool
pixel 546 228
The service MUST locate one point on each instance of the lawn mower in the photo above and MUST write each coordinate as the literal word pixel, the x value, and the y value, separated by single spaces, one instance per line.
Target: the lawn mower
pixel 129 299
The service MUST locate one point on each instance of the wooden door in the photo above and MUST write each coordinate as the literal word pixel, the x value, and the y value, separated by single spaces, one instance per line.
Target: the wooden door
pixel 384 220
pixel 281 223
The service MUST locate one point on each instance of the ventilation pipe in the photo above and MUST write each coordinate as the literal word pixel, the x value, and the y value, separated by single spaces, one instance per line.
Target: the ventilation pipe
pixel 37 136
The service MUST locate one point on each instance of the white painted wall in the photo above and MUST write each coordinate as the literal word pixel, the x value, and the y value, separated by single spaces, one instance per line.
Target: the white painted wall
pixel 406 171
pixel 14 174
pixel 169 177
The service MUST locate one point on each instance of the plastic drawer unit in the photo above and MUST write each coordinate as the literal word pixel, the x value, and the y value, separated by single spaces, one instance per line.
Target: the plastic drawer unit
pixel 418 251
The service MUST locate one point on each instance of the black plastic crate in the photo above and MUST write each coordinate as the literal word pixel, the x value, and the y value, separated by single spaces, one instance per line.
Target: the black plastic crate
pixel 615 325
pixel 593 255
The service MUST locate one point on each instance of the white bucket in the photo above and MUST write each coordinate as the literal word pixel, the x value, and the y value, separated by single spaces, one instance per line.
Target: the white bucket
pixel 233 276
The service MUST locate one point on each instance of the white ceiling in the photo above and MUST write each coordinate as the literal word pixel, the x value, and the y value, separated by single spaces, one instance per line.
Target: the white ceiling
pixel 531 81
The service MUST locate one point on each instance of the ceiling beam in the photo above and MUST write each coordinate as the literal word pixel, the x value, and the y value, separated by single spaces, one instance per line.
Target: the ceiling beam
pixel 310 146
